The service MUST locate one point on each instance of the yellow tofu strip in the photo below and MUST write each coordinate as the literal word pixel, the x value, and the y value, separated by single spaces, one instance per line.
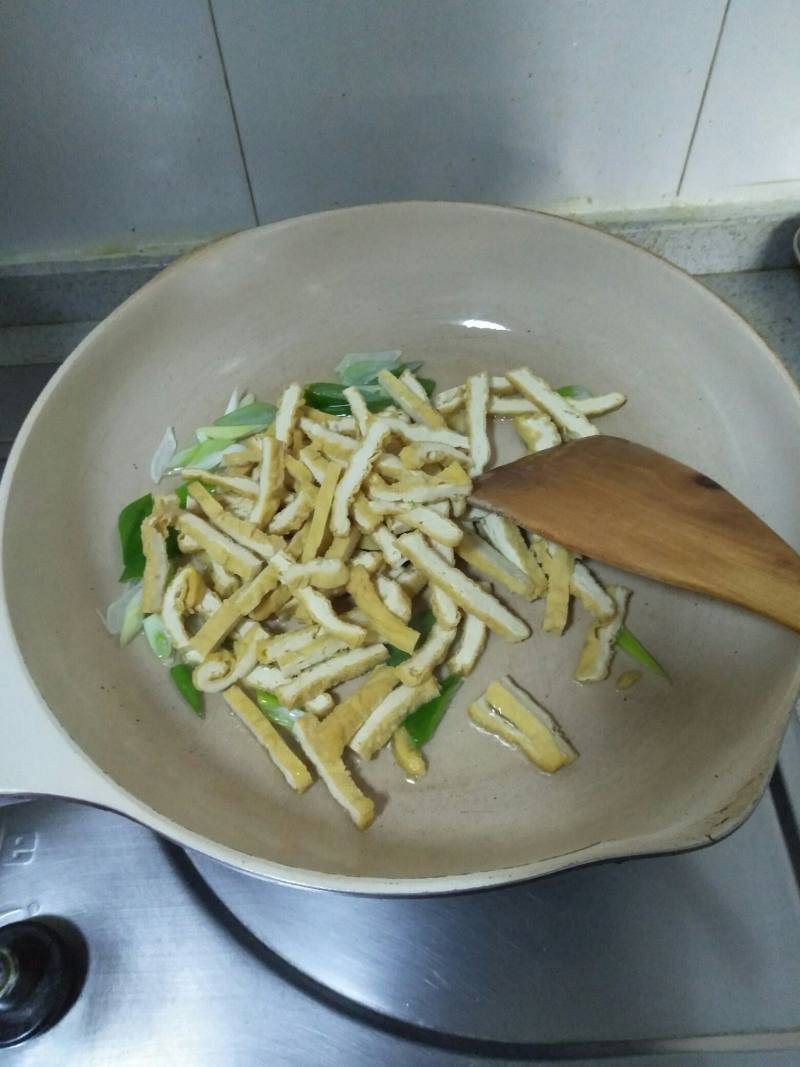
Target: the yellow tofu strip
pixel 156 563
pixel 358 406
pixel 423 489
pixel 413 432
pixel 324 676
pixel 591 406
pixel 319 573
pixel 419 667
pixel 318 527
pixel 181 597
pixel 477 406
pixel 298 472
pixel 591 594
pixel 276 645
pixel 558 407
pixel 538 432
pixel 547 746
pixel 294 514
pixel 242 531
pixel 323 743
pixel 240 486
pixel 387 543
pixel 467 594
pixel 557 563
pixel 506 407
pixel 408 758
pixel 421 454
pixel 389 714
pixel 314 461
pixel 317 651
pixel 343 547
pixel 449 400
pixel 288 408
pixel 359 467
pixel 507 538
pixel 244 601
pixel 480 555
pixel 270 481
pixel 335 445
pixel 436 527
pixel 365 515
pixel 471 642
pixel 291 766
pixel 317 605
pixel 408 378
pixel 233 557
pixel 394 597
pixel 407 400
pixel 599 645
pixel 388 625
pixel 272 603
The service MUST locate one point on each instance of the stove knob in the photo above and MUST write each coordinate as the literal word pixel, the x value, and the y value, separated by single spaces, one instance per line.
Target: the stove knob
pixel 40 976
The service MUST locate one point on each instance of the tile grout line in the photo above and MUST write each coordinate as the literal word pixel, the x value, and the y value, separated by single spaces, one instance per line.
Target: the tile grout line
pixel 226 80
pixel 701 105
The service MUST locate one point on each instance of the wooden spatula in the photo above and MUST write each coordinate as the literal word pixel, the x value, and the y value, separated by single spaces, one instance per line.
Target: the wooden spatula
pixel 627 505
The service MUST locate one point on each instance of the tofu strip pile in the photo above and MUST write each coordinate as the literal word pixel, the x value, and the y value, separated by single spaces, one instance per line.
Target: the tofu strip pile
pixel 304 556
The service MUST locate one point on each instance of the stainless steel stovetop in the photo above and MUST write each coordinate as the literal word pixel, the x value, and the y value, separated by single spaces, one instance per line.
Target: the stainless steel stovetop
pixel 690 959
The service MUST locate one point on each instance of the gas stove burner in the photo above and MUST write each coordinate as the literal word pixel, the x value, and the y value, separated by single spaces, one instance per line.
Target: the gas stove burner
pixel 41 970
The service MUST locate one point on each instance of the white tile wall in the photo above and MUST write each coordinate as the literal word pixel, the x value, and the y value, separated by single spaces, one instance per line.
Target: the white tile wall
pixel 115 127
pixel 523 101
pixel 748 137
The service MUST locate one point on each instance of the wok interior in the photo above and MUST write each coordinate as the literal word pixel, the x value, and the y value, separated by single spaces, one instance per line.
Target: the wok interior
pixel 660 767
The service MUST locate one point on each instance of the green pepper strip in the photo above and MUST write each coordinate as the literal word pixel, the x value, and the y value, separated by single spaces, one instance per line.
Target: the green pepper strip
pixel 422 724
pixel 182 677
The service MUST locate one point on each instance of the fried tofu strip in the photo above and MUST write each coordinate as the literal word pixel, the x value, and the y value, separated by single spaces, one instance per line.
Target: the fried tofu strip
pixel 316 604
pixel 389 714
pixel 467 594
pixel 240 486
pixel 507 407
pixel 319 650
pixel 591 406
pixel 408 400
pixel 423 489
pixel 471 642
pixel 242 531
pixel 294 514
pixel 288 409
pixel 394 597
pixel 511 714
pixel 407 757
pixel 486 559
pixel 358 406
pixel 335 445
pixel 359 467
pixel 413 432
pixel 231 611
pixel 422 453
pixel 319 573
pixel 419 667
pixel 324 742
pixel 291 767
pixel 538 432
pixel 557 563
pixel 591 594
pixel 436 527
pixel 599 646
pixel 506 537
pixel 232 556
pixel 270 481
pixel 156 563
pixel 324 676
pixel 567 418
pixel 388 625
pixel 477 408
